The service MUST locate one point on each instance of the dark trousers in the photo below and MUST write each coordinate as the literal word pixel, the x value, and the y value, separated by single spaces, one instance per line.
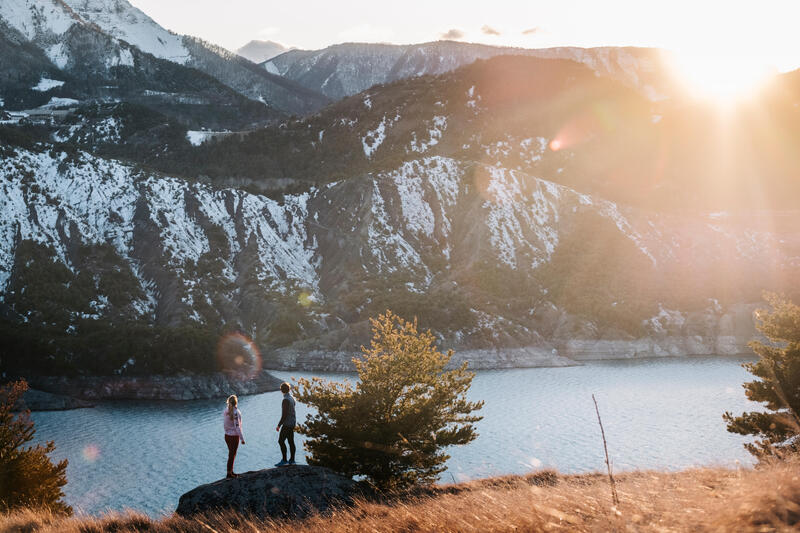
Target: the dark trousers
pixel 233 444
pixel 287 433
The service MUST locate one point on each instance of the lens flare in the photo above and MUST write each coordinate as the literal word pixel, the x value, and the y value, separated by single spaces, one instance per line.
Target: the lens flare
pixel 238 355
pixel 306 299
pixel 90 453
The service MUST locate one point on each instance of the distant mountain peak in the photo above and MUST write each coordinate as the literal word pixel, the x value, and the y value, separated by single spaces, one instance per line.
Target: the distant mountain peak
pixel 259 51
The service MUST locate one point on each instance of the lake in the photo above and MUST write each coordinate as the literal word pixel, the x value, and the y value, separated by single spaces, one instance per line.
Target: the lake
pixel 657 414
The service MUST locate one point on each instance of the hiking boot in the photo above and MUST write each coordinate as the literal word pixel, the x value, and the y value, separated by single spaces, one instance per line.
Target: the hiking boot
pixel 291 462
pixel 282 462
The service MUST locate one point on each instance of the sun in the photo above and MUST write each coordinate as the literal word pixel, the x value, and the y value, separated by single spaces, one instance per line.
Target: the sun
pixel 721 77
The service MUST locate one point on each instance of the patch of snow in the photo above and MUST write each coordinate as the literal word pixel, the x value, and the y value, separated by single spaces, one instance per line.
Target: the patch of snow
pixel 196 138
pixel 435 132
pixel 386 244
pixel 123 58
pixel 522 216
pixel 374 138
pixel 473 99
pixel 368 102
pixel 271 68
pixel 46 84
pixel 58 54
pixel 60 102
pixel 435 177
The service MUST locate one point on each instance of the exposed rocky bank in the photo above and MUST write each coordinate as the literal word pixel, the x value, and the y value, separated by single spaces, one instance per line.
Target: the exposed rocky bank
pixel 184 387
pixel 36 400
pixel 563 340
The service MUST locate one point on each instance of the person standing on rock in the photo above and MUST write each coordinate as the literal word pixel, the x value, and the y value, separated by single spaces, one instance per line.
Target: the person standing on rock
pixel 286 425
pixel 232 422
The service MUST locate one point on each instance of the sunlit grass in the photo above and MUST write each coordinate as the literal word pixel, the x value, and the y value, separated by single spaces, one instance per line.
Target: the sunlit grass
pixel 707 499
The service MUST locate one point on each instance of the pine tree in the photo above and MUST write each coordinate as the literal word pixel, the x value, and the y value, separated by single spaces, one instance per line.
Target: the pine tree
pixel 778 388
pixel 28 478
pixel 405 409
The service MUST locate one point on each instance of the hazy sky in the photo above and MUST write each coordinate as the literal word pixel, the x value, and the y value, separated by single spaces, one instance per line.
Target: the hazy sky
pixel 764 31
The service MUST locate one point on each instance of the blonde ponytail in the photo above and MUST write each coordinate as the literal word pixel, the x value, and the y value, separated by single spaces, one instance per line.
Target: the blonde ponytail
pixel 233 401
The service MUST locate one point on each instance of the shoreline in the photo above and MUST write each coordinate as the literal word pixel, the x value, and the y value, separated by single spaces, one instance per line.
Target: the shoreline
pixel 489 359
pixel 64 393
pixel 60 393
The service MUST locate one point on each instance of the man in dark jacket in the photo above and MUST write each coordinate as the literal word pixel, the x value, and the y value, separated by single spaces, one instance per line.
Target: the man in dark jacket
pixel 286 425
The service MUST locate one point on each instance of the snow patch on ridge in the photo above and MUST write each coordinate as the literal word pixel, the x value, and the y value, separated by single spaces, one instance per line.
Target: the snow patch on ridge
pixel 418 182
pixel 374 138
pixel 435 132
pixel 386 244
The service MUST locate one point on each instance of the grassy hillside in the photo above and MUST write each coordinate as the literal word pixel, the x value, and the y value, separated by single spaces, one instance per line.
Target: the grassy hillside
pixel 707 499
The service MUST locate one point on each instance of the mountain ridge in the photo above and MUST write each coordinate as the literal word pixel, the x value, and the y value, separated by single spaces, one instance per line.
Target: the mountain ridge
pixel 346 69
pixel 48 25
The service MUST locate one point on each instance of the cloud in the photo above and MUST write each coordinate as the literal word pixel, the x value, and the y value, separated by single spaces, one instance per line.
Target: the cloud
pixel 488 30
pixel 271 30
pixel 532 31
pixel 453 33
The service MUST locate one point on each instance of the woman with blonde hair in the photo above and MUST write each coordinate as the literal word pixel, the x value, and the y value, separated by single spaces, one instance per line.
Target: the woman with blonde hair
pixel 232 422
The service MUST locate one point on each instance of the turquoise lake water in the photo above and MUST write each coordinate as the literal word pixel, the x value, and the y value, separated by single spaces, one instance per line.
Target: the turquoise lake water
pixel 657 413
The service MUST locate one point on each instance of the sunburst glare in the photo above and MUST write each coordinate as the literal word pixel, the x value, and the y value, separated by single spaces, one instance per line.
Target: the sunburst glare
pixel 720 76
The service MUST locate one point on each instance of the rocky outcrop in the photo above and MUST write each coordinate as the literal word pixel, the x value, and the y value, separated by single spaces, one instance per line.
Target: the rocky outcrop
pixel 186 387
pixel 294 491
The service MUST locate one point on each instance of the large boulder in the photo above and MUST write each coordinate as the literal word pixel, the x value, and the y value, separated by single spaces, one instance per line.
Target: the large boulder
pixel 293 491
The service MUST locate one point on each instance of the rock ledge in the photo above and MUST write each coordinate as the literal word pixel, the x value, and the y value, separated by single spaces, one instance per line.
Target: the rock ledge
pixel 293 491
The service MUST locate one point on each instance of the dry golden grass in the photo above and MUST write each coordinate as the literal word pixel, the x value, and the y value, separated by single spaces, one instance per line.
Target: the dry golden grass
pixel 709 499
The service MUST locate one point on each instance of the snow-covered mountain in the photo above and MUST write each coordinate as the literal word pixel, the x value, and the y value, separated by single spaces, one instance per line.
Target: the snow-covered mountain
pixel 526 209
pixel 125 22
pixel 87 37
pixel 486 256
pixel 347 69
pixel 260 51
